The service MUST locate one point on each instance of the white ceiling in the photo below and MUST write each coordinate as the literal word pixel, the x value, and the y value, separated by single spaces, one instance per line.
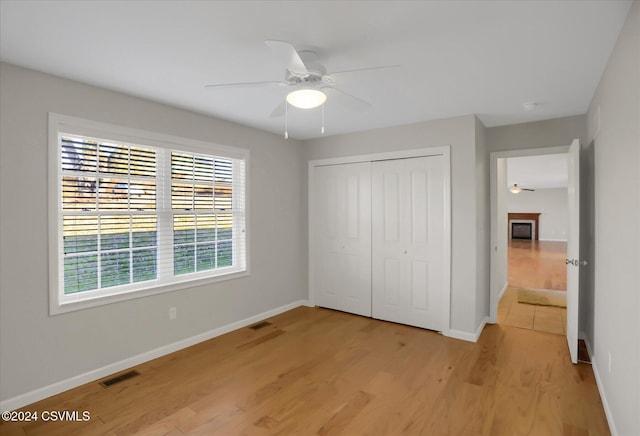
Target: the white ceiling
pixel 538 172
pixel 456 57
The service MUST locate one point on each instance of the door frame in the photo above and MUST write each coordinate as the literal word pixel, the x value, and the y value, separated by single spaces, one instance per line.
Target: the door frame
pixel 498 200
pixel 445 152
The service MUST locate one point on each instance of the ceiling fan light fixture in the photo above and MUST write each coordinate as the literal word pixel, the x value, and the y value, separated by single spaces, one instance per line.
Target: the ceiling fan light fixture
pixel 515 189
pixel 306 98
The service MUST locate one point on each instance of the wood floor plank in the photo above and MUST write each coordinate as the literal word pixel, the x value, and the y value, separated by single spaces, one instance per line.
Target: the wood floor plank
pixel 546 321
pixel 537 264
pixel 213 420
pixel 346 413
pixel 317 371
pixel 163 426
pixel 521 315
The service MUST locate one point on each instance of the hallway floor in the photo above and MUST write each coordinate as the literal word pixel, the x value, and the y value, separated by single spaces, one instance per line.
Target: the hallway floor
pixel 538 264
pixel 547 319
pixel 535 265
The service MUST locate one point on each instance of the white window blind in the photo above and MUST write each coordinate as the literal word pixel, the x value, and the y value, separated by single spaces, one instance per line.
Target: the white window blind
pixel 135 218
pixel 205 204
pixel 109 214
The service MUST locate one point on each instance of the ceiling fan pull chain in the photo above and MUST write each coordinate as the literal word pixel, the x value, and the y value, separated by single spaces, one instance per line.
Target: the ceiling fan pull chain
pixel 286 119
pixel 322 129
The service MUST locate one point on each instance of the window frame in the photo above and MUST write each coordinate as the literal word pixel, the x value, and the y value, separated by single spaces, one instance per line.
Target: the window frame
pixel 63 124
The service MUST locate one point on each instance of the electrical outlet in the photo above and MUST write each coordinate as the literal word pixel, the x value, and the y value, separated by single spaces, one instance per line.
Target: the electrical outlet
pixel 173 313
pixel 609 361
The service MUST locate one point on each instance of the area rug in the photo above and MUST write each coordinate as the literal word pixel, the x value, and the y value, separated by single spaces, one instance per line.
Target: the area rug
pixel 542 297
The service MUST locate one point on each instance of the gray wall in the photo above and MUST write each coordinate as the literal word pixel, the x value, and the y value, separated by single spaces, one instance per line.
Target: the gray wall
pixel 483 227
pixel 460 134
pixel 617 227
pixel 547 133
pixel 38 350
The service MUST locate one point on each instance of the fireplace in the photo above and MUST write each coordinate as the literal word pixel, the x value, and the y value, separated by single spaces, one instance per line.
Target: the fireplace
pixel 524 218
pixel 521 231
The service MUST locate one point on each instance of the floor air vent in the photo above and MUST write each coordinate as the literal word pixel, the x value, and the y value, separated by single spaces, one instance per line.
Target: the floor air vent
pixel 259 325
pixel 119 378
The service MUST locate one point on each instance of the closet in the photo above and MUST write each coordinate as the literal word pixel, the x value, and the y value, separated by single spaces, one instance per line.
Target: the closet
pixel 380 238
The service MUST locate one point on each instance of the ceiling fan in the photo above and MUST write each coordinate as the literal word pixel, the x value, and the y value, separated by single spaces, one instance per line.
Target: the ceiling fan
pixel 310 83
pixel 517 189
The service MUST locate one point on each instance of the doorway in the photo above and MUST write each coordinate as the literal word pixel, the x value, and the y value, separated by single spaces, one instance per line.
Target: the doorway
pixel 537 211
pixel 501 242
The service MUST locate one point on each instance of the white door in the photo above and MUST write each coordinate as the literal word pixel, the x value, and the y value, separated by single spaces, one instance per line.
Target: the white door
pixel 573 250
pixel 342 237
pixel 408 241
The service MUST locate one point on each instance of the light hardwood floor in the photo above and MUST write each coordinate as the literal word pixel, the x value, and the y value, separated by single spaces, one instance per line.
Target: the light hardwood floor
pixel 546 319
pixel 317 371
pixel 537 264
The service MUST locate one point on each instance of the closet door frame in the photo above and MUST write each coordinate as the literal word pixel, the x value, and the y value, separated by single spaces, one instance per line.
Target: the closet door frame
pixel 445 152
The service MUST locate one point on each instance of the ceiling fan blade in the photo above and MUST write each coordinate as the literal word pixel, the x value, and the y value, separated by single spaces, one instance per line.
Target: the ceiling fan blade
pixel 347 100
pixel 278 111
pixel 382 67
pixel 289 56
pixel 247 85
pixel 526 189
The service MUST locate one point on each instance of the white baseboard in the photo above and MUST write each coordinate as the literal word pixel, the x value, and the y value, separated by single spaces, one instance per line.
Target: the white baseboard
pixel 96 374
pixel 603 397
pixel 466 336
pixel 504 289
pixel 494 319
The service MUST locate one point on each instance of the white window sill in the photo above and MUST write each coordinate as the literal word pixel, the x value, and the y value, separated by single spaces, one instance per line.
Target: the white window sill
pixel 86 301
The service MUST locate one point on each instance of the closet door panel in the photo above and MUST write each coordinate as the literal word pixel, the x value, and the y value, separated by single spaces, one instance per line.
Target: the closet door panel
pixel 342 237
pixel 408 195
pixel 392 274
pixel 420 285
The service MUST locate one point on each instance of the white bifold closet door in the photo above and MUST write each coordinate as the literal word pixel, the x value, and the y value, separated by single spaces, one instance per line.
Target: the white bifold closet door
pixel 408 202
pixel 342 253
pixel 378 239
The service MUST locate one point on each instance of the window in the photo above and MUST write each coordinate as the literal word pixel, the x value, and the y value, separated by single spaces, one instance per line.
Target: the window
pixel 135 213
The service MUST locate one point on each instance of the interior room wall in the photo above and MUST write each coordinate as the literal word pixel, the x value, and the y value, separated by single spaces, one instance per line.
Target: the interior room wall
pixel 37 350
pixel 546 133
pixel 552 204
pixel 483 227
pixel 459 133
pixel 614 115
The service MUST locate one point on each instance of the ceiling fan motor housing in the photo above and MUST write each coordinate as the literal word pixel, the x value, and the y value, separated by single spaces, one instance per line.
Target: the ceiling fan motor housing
pixel 313 79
